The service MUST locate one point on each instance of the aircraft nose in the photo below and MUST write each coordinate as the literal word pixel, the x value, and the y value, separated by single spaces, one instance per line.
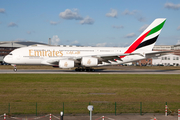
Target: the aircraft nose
pixel 7 59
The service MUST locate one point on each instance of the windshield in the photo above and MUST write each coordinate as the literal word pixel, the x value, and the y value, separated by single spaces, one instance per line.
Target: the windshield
pixel 10 54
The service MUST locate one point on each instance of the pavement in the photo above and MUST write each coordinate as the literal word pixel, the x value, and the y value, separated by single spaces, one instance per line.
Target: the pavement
pixel 132 71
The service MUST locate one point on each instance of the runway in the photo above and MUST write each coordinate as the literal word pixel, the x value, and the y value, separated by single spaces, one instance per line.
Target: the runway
pixel 132 71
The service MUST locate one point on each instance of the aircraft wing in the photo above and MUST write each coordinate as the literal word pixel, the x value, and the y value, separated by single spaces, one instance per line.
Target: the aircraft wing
pixel 113 57
pixel 103 58
pixel 156 53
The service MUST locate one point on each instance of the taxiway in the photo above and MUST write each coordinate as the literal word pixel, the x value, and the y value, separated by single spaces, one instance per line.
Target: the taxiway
pixel 133 71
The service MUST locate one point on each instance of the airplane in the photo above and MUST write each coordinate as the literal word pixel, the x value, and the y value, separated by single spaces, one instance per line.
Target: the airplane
pixel 84 58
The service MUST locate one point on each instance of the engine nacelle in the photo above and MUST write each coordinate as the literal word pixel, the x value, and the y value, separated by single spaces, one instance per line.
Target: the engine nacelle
pixel 66 64
pixel 89 61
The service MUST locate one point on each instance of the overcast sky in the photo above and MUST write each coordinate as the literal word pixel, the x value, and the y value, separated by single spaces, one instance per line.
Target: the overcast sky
pixel 87 22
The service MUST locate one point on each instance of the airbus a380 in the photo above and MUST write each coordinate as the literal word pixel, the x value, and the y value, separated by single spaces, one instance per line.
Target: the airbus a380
pixel 83 58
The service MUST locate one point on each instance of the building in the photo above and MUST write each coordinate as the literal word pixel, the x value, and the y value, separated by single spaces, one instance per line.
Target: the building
pixel 167 60
pixel 7 47
pixel 171 58
pixel 144 62
pixel 161 60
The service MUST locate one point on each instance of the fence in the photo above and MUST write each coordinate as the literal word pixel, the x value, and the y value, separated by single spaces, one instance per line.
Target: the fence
pixel 81 107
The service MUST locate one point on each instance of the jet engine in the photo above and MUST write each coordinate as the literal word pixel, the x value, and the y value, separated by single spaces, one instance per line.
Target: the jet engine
pixel 66 64
pixel 89 61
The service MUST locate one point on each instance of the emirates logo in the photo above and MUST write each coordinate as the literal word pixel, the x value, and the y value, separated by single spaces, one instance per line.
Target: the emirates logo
pixel 65 64
pixel 89 62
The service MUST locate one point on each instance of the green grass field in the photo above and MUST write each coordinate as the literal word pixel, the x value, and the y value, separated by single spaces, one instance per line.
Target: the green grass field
pixel 45 93
pixel 87 88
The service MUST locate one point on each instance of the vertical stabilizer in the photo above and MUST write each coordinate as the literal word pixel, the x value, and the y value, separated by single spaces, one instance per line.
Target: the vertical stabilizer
pixel 147 39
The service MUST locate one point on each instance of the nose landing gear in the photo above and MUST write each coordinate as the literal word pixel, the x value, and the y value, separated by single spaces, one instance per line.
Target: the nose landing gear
pixel 15 68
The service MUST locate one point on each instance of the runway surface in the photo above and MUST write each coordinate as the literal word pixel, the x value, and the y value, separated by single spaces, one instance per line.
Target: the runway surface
pixel 132 71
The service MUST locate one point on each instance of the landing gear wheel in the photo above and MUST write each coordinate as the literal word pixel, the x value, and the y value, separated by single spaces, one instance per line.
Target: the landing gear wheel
pixel 77 69
pixel 15 69
pixel 85 70
pixel 92 70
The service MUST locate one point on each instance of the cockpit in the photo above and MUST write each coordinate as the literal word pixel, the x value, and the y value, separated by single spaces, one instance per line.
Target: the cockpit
pixel 10 54
pixel 8 58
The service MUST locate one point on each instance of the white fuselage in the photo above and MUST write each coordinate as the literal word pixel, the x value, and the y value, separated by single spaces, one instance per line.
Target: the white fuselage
pixel 36 55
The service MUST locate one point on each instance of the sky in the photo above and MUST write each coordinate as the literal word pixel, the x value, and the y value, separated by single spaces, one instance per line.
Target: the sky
pixel 104 23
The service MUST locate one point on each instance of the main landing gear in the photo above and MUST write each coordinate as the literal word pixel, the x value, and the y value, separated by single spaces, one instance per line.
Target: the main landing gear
pixel 84 69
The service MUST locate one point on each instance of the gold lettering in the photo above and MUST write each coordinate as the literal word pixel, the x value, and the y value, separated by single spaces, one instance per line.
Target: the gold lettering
pixel 46 53
pixel 50 53
pixel 30 51
pixel 71 52
pixel 57 52
pixel 42 52
pixel 78 52
pixel 61 53
pixel 53 52
pixel 37 53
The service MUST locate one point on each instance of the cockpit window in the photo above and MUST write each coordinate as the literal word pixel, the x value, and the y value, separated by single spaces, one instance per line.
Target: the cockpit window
pixel 10 54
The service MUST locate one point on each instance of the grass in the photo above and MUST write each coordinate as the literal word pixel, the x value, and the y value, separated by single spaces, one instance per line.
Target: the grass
pixel 89 88
pixel 21 92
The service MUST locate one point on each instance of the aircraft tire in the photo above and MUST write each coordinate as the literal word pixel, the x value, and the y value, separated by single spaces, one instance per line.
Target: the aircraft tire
pixel 15 69
pixel 84 70
pixel 92 70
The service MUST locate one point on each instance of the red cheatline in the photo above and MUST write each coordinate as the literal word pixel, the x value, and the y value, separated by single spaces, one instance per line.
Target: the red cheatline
pixel 136 43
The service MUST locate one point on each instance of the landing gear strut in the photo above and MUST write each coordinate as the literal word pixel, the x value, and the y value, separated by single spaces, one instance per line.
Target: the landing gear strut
pixel 84 69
